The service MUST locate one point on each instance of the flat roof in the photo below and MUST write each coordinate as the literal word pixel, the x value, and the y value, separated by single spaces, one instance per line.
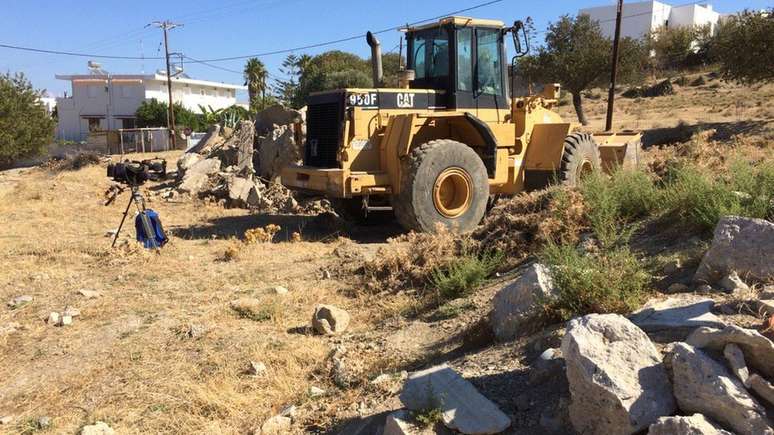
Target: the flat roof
pixel 460 21
pixel 148 77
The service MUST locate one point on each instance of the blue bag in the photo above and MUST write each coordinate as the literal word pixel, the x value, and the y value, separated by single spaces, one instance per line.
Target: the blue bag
pixel 155 240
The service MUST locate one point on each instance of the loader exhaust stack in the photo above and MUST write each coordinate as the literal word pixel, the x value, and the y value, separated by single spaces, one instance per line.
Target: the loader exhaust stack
pixel 376 59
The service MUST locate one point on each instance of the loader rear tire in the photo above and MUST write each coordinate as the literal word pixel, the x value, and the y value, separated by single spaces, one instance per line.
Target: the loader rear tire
pixel 442 182
pixel 579 159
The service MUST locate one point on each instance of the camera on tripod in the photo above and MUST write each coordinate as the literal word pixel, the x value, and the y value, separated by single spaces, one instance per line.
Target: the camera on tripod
pixel 137 172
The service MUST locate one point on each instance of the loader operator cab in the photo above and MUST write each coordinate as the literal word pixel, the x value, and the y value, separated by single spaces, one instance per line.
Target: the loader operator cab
pixel 465 58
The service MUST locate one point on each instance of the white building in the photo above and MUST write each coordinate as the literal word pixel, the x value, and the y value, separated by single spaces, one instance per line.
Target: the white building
pixel 641 18
pixel 102 101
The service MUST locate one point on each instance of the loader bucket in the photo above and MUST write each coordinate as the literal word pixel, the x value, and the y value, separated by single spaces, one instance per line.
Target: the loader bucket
pixel 619 150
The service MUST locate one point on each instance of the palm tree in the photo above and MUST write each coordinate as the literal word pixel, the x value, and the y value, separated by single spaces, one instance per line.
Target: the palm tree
pixel 255 79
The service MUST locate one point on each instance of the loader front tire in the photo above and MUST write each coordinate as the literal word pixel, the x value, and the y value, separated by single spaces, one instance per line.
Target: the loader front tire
pixel 442 182
pixel 579 159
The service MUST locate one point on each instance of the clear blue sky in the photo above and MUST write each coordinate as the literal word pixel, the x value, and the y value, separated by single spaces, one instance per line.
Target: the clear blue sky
pixel 214 29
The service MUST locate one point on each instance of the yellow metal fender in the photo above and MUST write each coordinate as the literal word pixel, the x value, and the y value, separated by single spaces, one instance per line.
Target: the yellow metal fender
pixel 546 146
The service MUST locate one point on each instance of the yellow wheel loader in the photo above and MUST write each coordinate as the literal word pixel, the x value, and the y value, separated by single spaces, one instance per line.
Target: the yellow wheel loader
pixel 449 138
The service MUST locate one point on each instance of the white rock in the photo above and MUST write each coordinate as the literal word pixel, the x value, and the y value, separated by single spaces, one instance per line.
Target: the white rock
pixel 743 245
pixel 316 391
pixel 6 419
pixel 618 383
pixel 278 289
pixel 674 318
pixel 703 385
pixel 735 359
pixel 54 318
pixel 516 305
pixel 98 428
pixel 18 301
pixel 89 294
pixel 696 424
pixel 65 321
pixel 731 283
pixel 242 192
pixel 758 350
pixel 186 161
pixel 72 312
pixel 277 425
pixel 329 320
pixel 197 176
pixel 463 408
pixel 401 423
pixel 256 368
pixel 762 387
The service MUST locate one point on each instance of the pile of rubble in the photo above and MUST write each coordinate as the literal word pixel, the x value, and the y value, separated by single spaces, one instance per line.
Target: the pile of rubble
pixel 240 168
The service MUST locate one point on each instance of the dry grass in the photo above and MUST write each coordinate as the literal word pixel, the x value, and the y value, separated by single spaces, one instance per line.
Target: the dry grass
pixel 123 360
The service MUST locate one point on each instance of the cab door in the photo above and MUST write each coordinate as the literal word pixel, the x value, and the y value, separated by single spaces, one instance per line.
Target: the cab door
pixel 478 86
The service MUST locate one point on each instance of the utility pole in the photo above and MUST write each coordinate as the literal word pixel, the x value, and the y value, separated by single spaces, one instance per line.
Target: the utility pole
pixel 166 26
pixel 611 93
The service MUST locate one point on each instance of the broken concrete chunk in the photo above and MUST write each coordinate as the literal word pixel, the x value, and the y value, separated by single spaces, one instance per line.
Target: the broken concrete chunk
pixel 329 320
pixel 256 368
pixel 703 385
pixel 277 425
pixel 758 350
pixel 54 318
pixel 762 387
pixel 618 383
pixel 98 428
pixel 735 359
pixel 515 306
pixel 674 318
pixel 696 424
pixel 197 177
pixel 742 245
pixel 463 408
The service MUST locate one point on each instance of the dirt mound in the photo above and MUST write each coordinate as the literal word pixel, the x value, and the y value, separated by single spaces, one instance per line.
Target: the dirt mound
pixel 72 162
pixel 518 226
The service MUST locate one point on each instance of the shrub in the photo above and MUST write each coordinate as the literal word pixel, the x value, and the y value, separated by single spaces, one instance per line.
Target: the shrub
pixel 616 200
pixel 758 183
pixel 697 200
pixel 463 274
pixel 744 46
pixel 25 126
pixel 612 281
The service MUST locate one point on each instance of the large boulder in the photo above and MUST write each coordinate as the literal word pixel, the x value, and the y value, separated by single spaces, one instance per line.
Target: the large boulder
pixel 277 114
pixel 516 305
pixel 276 150
pixel 696 424
pixel 758 350
pixel 676 317
pixel 329 320
pixel 462 407
pixel 197 176
pixel 618 383
pixel 741 245
pixel 704 385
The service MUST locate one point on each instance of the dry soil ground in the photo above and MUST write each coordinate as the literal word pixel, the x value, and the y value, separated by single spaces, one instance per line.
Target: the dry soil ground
pixel 161 351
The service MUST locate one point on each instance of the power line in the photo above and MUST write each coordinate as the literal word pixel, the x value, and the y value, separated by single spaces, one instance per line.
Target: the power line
pixel 351 38
pixel 72 53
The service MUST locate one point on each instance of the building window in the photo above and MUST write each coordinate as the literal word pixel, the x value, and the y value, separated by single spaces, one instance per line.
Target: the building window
pixel 94 124
pixel 202 91
pixel 127 123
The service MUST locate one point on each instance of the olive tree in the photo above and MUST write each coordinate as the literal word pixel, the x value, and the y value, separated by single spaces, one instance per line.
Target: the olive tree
pixel 577 55
pixel 744 47
pixel 26 128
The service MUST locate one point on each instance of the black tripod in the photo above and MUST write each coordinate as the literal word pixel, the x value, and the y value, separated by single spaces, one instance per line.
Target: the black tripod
pixel 139 201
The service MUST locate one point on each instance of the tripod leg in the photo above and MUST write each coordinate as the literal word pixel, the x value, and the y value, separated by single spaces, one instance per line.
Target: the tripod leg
pixel 118 231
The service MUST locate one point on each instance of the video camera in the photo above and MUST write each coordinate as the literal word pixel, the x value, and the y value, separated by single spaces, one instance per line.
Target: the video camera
pixel 136 172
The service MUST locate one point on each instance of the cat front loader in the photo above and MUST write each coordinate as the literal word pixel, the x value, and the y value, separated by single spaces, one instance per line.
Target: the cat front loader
pixel 435 149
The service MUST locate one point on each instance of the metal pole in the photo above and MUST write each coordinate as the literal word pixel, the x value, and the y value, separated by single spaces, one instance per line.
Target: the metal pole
pixel 614 72
pixel 171 110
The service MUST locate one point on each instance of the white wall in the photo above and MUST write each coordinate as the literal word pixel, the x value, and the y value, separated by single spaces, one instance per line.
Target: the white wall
pixel 694 15
pixel 191 95
pixel 639 18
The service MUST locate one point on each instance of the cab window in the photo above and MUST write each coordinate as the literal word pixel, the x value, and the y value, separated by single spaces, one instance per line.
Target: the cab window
pixel 429 56
pixel 465 60
pixel 488 67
